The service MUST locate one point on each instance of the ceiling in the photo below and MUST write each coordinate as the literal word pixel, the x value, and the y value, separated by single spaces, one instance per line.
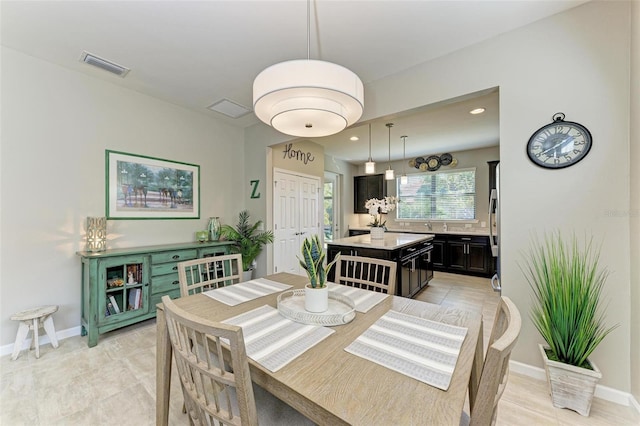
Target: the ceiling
pixel 195 53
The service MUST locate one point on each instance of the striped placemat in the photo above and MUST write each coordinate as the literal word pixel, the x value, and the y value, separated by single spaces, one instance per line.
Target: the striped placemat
pixel 235 294
pixel 273 340
pixel 419 348
pixel 363 299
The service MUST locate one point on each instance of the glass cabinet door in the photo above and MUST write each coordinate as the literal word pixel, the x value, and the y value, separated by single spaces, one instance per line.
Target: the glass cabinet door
pixel 124 287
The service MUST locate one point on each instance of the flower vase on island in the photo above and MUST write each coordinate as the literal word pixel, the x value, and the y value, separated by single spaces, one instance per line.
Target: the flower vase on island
pixel 376 208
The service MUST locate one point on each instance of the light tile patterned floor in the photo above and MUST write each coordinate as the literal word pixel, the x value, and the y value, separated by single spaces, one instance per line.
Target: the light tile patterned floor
pixel 114 382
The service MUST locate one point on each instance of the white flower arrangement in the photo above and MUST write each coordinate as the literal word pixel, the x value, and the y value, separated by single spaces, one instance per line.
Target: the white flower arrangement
pixel 377 207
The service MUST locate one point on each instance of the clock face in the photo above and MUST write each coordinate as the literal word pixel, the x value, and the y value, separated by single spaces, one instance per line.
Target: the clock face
pixel 559 144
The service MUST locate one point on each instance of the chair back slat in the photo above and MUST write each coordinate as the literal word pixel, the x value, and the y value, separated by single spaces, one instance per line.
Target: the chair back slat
pixel 366 273
pixel 209 273
pixel 483 398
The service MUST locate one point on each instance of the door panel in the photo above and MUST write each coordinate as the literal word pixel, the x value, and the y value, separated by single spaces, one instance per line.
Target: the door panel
pixel 285 223
pixel 296 216
pixel 456 255
pixel 477 257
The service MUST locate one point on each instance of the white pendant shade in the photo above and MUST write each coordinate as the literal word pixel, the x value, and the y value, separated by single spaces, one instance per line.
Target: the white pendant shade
pixel 404 180
pixel 370 167
pixel 389 174
pixel 308 98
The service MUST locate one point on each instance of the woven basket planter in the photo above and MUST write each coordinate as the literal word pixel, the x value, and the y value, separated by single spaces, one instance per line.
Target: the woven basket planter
pixel 570 386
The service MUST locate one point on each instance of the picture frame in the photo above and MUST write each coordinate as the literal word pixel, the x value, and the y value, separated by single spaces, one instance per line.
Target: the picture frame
pixel 143 187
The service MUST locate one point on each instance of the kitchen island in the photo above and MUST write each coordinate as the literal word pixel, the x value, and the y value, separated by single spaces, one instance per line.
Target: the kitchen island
pixel 412 253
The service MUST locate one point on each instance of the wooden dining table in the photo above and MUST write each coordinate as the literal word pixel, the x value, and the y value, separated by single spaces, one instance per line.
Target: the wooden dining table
pixel 333 387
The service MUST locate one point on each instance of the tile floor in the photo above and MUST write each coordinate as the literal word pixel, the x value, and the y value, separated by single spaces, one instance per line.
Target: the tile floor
pixel 114 382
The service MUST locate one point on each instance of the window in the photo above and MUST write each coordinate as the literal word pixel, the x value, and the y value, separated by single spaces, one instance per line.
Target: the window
pixel 447 195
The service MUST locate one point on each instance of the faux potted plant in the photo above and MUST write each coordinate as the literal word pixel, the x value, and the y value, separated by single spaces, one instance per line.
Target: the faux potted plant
pixel 567 285
pixel 316 297
pixel 249 242
pixel 377 207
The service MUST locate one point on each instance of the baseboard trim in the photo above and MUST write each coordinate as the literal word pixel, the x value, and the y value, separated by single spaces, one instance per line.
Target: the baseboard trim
pixel 603 392
pixel 43 338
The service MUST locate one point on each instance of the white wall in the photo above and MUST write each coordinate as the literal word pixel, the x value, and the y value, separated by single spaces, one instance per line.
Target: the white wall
pixel 635 200
pixel 575 62
pixel 56 125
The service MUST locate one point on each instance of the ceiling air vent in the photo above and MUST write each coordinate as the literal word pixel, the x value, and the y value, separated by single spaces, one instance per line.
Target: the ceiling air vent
pixel 229 108
pixel 112 67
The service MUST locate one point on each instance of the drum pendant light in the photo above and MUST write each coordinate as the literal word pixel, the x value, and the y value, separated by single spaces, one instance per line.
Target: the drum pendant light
pixel 388 174
pixel 308 98
pixel 370 166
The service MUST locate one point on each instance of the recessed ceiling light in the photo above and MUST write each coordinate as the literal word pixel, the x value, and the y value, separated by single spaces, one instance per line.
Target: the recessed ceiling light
pixel 354 138
pixel 477 111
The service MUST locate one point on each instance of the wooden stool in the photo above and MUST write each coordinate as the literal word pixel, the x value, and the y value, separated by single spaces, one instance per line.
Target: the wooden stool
pixel 33 319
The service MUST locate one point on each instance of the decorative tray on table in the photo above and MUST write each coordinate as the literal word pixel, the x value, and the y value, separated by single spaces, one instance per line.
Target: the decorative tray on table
pixel 342 309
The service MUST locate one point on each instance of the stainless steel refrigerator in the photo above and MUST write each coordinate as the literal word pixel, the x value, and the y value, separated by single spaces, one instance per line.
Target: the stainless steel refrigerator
pixel 494 230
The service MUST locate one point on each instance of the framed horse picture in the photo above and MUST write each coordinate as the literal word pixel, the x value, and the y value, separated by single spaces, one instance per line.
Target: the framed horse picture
pixel 141 187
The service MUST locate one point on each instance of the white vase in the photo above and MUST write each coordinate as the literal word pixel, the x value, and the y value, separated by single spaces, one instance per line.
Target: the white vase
pixel 570 386
pixel 316 299
pixel 377 233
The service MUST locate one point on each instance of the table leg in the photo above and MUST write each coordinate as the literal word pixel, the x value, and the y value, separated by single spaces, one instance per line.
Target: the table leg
pixel 476 370
pixel 163 369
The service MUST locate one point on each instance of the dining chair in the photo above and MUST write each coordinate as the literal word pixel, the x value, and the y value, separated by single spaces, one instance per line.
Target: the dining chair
pixel 485 389
pixel 366 273
pixel 209 273
pixel 215 392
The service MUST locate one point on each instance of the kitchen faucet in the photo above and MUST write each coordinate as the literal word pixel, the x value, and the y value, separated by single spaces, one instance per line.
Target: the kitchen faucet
pixel 429 226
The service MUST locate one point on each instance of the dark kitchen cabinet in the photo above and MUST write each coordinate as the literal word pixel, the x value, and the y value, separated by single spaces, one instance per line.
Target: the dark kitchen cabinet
pixel 492 175
pixel 462 254
pixel 438 253
pixel 468 254
pixel 413 264
pixel 365 188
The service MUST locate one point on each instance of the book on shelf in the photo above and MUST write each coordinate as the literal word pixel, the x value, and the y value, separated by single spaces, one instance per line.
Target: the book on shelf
pixel 107 311
pixel 116 308
pixel 138 298
pixel 135 296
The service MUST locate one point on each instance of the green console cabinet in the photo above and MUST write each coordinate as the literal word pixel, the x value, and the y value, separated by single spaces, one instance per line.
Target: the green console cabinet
pixel 121 287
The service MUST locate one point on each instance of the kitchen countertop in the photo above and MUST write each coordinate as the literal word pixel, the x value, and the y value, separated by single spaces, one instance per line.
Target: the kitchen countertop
pixel 436 230
pixel 391 241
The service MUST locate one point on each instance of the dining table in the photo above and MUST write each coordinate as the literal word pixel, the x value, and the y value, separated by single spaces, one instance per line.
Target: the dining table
pixel 331 386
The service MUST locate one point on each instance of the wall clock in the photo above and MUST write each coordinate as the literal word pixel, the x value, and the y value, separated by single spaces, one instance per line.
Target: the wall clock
pixel 559 144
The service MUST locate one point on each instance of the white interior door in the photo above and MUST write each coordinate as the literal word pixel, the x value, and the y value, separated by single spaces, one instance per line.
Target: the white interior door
pixel 295 217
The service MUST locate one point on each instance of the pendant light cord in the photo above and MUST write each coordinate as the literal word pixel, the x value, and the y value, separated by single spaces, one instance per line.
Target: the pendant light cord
pixel 404 152
pixel 369 142
pixel 308 29
pixel 389 125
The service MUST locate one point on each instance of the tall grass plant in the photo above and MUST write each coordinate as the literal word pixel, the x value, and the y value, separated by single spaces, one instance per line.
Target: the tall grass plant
pixel 567 286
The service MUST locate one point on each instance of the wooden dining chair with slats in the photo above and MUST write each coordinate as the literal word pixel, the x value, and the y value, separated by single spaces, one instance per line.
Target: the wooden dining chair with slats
pixel 215 392
pixel 209 273
pixel 366 273
pixel 486 386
